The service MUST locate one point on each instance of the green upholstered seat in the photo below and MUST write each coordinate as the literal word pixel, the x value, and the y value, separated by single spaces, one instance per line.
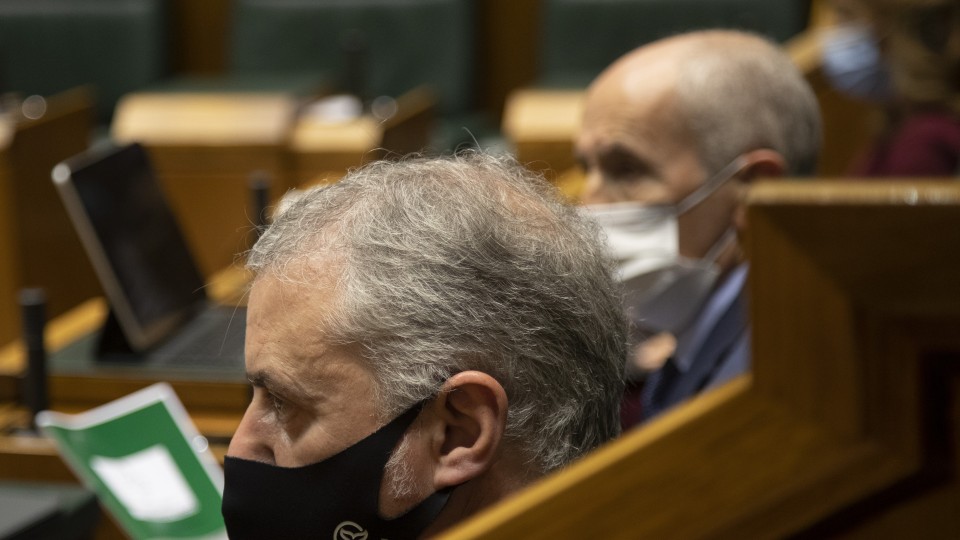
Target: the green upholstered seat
pixel 581 37
pixel 48 46
pixel 408 43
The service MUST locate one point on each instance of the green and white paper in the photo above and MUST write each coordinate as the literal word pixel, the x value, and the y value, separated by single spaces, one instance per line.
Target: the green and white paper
pixel 147 462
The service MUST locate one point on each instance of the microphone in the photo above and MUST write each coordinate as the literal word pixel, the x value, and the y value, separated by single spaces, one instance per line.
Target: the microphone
pixel 259 185
pixel 32 310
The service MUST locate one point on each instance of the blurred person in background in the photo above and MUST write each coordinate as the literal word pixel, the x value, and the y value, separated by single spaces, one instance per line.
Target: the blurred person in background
pixel 672 135
pixel 905 56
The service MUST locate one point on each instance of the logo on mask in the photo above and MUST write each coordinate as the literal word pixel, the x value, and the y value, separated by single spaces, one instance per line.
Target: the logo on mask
pixel 349 530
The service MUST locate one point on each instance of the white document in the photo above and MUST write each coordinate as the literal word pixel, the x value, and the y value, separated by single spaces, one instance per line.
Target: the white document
pixel 149 484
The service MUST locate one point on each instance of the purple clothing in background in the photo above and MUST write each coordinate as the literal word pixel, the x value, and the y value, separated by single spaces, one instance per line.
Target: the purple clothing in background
pixel 924 144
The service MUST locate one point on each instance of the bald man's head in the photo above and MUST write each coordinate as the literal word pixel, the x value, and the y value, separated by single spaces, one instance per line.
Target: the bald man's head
pixel 733 91
pixel 664 118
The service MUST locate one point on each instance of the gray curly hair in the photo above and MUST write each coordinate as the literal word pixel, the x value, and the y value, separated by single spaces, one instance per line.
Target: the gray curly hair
pixel 468 263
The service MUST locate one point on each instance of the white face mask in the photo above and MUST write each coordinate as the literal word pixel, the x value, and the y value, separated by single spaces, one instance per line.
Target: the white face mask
pixel 662 289
pixel 853 65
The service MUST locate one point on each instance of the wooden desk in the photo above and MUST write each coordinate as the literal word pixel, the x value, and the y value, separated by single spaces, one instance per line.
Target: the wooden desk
pixel 204 147
pixel 322 151
pixel 542 125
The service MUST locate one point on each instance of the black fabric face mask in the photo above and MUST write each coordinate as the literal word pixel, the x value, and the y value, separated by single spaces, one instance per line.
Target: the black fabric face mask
pixel 334 498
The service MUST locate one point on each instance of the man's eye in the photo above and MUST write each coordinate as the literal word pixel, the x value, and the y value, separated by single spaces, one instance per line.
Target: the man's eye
pixel 622 171
pixel 625 169
pixel 277 403
pixel 583 163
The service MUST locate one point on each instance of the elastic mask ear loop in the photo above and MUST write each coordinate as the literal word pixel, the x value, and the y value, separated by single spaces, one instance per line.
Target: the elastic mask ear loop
pixel 717 248
pixel 711 185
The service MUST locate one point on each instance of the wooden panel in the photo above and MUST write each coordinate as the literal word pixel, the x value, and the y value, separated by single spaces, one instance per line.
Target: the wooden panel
pixel 9 259
pixel 853 290
pixel 508 41
pixel 200 32
pixel 204 119
pixel 43 249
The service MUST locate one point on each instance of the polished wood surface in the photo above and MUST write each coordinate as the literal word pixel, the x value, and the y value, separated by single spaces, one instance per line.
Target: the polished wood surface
pixel 205 118
pixel 847 425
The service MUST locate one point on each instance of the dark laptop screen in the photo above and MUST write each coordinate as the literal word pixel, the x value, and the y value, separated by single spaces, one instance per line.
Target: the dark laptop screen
pixel 139 235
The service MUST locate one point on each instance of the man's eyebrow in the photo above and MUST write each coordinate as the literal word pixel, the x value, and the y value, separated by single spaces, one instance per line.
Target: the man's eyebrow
pixel 258 378
pixel 621 151
pixel 263 379
pixel 620 154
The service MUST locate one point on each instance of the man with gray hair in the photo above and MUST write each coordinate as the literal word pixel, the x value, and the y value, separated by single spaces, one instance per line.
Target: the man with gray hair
pixel 423 338
pixel 672 134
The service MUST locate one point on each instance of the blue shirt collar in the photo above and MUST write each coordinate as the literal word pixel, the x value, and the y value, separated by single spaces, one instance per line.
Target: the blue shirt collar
pixel 721 299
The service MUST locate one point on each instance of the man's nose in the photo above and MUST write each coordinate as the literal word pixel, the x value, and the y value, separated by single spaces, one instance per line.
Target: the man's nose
pixel 593 191
pixel 251 440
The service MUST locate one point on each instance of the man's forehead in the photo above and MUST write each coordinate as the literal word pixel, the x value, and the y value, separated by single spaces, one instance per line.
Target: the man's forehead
pixel 289 333
pixel 638 106
pixel 301 295
pixel 631 85
pixel 655 61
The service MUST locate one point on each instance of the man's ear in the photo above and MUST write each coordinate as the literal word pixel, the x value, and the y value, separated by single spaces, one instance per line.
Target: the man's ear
pixel 471 415
pixel 760 163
